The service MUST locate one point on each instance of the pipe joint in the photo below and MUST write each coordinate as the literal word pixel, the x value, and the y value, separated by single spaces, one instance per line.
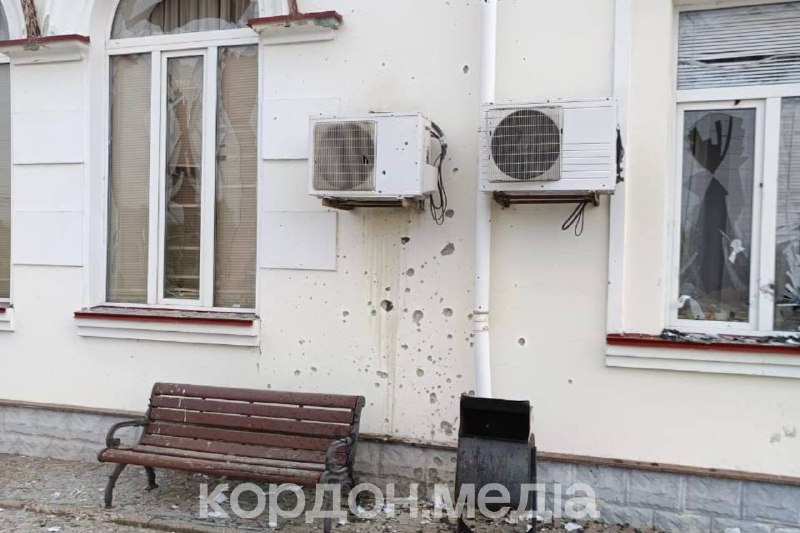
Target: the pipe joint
pixel 480 322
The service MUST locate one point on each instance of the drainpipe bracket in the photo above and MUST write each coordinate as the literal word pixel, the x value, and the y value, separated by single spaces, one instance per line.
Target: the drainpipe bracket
pixel 480 322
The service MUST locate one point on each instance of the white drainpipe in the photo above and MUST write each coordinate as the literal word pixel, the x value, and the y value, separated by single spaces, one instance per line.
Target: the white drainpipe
pixel 483 213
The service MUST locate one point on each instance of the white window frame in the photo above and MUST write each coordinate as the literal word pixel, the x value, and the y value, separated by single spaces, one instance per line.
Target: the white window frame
pixel 5 60
pixel 16 30
pixel 207 186
pixel 754 252
pixel 768 101
pixel 160 48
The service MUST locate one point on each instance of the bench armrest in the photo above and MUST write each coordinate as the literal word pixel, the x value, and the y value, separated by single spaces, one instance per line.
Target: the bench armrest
pixel 112 442
pixel 330 454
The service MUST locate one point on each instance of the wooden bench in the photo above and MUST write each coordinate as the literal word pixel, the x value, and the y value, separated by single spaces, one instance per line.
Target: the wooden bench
pixel 259 435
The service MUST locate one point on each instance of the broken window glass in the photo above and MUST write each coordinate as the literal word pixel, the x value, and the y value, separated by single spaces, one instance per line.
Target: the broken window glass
pixel 5 182
pixel 145 18
pixel 717 214
pixel 236 184
pixel 4 34
pixel 184 147
pixel 787 236
pixel 129 179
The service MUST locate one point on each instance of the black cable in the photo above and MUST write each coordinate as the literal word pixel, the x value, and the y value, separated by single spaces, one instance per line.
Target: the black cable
pixel 620 157
pixel 439 208
pixel 576 219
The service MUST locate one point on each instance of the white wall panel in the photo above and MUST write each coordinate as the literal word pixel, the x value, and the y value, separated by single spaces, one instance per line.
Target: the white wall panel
pixel 47 238
pixel 286 124
pixel 48 86
pixel 48 188
pixel 44 137
pixel 299 241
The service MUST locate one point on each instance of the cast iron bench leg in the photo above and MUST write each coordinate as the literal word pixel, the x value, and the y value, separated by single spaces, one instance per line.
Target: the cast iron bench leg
pixel 151 478
pixel 328 478
pixel 112 480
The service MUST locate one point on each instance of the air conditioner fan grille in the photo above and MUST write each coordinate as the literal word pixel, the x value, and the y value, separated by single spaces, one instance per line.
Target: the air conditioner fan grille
pixel 525 144
pixel 344 156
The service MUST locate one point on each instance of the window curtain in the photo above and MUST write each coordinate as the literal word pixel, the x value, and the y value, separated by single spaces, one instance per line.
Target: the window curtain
pixel 184 175
pixel 5 182
pixel 739 46
pixel 144 18
pixel 129 183
pixel 237 171
pixel 787 237
pixel 4 34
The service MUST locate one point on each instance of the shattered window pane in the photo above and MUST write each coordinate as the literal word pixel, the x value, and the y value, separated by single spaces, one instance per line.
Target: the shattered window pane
pixel 717 214
pixel 4 34
pixel 183 178
pixel 236 211
pixel 146 18
pixel 129 179
pixel 787 237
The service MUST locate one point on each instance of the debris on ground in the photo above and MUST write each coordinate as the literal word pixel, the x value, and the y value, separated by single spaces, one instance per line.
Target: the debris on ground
pixel 27 505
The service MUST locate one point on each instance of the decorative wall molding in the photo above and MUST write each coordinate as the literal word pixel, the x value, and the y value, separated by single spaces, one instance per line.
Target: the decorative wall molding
pixel 6 319
pixel 221 329
pixel 687 358
pixel 297 27
pixel 49 49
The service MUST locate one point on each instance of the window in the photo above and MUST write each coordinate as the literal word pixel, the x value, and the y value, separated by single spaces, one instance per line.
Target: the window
pixel 183 157
pixel 137 18
pixel 736 261
pixel 5 170
pixel 716 235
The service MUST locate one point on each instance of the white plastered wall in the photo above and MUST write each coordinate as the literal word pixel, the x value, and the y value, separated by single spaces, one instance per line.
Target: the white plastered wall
pixel 326 330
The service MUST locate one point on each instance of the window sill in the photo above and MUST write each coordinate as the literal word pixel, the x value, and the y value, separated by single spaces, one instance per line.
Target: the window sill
pixel 720 357
pixel 50 48
pixel 169 325
pixel 6 317
pixel 297 28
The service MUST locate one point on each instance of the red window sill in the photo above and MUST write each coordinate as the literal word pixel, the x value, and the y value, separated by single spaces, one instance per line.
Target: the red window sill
pixel 149 314
pixel 750 345
pixel 284 19
pixel 47 39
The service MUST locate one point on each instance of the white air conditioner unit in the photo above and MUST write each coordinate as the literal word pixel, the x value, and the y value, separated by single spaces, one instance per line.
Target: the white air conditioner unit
pixel 382 156
pixel 552 147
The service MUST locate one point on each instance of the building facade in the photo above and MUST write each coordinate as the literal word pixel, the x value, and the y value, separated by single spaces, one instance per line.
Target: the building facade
pixel 155 225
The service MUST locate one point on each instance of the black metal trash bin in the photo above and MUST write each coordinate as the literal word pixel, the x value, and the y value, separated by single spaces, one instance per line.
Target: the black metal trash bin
pixel 495 445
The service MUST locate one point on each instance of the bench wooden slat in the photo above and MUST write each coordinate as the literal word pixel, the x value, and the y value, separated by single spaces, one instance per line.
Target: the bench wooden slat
pixel 244 450
pixel 286 427
pixel 227 458
pixel 255 395
pixel 214 468
pixel 240 437
pixel 255 409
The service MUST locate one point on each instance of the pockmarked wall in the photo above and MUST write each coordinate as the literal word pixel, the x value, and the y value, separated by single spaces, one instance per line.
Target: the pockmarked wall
pixel 391 318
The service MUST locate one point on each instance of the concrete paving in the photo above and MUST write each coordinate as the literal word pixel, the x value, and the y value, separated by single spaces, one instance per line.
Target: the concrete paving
pixel 54 496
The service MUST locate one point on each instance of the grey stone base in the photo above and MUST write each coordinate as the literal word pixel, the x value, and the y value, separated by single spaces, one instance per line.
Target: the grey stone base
pixel 670 502
pixel 55 434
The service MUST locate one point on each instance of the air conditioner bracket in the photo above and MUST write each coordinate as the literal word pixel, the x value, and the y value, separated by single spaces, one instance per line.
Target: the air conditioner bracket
pixel 507 200
pixel 348 204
